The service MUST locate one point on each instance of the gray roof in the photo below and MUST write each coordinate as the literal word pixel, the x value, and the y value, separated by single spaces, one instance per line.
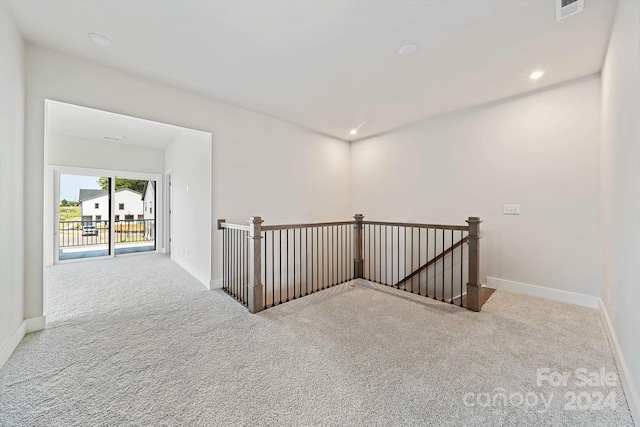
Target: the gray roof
pixel 90 194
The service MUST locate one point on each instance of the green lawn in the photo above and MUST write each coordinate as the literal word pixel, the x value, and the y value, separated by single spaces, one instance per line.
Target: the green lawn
pixel 70 213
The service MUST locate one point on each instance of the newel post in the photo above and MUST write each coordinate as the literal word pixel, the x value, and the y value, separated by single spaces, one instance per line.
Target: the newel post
pixel 255 298
pixel 474 288
pixel 358 261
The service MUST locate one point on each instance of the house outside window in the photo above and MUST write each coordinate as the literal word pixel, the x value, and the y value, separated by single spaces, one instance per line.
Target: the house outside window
pixel 128 217
pixel 121 206
pixel 117 217
pixel 97 205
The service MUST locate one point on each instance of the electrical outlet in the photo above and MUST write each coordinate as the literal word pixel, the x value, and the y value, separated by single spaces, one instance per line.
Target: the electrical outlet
pixel 511 210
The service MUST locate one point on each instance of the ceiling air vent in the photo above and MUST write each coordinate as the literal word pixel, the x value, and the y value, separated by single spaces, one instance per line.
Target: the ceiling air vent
pixel 566 8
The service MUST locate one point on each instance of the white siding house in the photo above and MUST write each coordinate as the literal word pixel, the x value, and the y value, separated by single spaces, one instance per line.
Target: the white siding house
pixel 149 203
pixel 149 200
pixel 95 205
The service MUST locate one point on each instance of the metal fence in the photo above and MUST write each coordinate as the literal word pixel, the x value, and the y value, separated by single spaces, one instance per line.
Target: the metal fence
pixel 96 232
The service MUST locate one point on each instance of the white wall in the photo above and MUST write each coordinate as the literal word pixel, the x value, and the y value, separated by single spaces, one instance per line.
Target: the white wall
pixel 540 151
pixel 189 160
pixel 261 166
pixel 12 86
pixel 620 177
pixel 75 152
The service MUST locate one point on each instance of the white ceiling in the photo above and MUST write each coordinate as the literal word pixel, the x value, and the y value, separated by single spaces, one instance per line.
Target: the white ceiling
pixel 332 65
pixel 94 125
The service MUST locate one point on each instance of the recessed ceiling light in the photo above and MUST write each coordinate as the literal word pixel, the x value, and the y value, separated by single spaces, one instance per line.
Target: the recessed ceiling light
pixel 100 40
pixel 353 131
pixel 408 49
pixel 536 75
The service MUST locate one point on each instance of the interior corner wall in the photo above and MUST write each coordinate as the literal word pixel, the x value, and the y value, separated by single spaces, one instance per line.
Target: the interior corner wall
pixel 260 165
pixel 189 160
pixel 540 151
pixel 12 208
pixel 620 212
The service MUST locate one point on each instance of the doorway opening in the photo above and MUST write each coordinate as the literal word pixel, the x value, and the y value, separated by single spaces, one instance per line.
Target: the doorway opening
pixel 107 191
pixel 169 212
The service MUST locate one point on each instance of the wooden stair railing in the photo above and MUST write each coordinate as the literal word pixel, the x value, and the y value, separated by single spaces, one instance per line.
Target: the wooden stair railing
pixel 321 255
pixel 432 261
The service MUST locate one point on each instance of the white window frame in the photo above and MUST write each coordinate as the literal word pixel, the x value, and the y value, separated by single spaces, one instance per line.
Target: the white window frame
pixel 52 209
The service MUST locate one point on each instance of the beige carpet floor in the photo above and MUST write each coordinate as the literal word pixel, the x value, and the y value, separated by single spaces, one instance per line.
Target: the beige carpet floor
pixel 137 341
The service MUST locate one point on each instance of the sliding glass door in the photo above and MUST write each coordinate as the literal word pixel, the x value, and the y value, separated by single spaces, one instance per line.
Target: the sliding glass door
pixel 134 216
pixel 98 216
pixel 84 212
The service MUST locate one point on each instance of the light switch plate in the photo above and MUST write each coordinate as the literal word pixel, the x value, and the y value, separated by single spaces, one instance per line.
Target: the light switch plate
pixel 511 209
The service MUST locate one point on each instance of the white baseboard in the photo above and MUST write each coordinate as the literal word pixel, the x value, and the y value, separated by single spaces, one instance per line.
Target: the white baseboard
pixel 35 324
pixel 28 325
pixel 630 390
pixel 11 344
pixel 542 292
pixel 202 278
pixel 216 284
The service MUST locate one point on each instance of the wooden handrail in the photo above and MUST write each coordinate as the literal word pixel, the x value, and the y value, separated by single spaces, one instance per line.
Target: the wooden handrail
pixel 433 261
pixel 417 225
pixel 222 225
pixel 315 224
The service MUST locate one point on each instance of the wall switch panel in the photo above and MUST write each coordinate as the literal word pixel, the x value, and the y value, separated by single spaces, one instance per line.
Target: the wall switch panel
pixel 511 209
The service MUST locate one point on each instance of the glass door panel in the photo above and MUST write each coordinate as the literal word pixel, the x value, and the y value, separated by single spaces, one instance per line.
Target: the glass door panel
pixel 84 212
pixel 135 216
